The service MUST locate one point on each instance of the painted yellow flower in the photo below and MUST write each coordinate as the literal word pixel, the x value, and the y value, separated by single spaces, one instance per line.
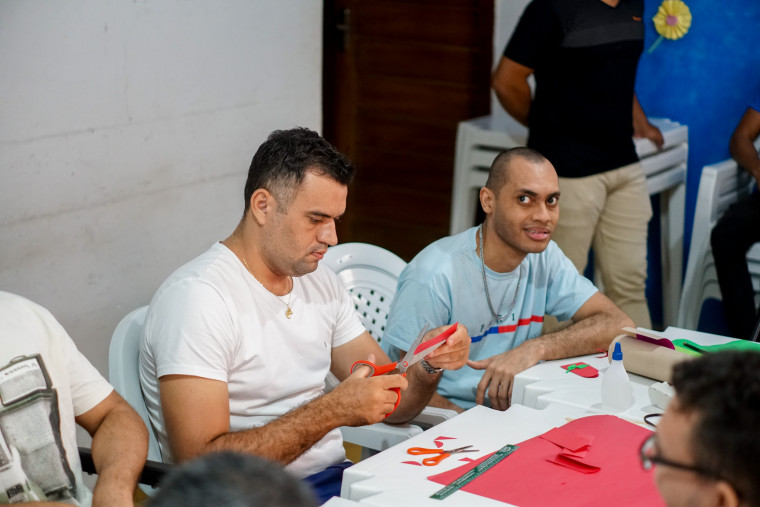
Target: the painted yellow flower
pixel 673 19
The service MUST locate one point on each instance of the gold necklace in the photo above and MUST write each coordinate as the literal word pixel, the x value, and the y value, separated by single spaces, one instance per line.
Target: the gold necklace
pixel 288 312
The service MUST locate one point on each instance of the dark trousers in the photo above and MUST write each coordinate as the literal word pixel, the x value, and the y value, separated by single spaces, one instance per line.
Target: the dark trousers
pixel 734 234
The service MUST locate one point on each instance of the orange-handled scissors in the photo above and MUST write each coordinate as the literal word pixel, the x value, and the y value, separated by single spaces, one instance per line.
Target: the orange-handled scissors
pixel 442 453
pixel 416 353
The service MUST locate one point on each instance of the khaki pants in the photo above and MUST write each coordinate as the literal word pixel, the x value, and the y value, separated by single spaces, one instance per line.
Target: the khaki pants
pixel 609 211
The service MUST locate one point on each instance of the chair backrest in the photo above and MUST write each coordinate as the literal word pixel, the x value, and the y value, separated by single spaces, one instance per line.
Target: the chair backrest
pixel 123 370
pixel 370 273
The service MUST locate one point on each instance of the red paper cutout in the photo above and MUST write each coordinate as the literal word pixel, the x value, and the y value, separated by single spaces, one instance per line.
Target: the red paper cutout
pixel 573 464
pixel 533 481
pixel 438 442
pixel 648 337
pixel 568 439
pixel 586 371
pixel 411 463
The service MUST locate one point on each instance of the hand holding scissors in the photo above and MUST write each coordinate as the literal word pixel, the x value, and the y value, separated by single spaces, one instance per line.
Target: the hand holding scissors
pixel 416 353
pixel 442 453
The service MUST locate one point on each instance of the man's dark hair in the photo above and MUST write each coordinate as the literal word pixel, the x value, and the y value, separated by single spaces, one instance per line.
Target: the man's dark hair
pixel 281 163
pixel 498 174
pixel 723 390
pixel 233 480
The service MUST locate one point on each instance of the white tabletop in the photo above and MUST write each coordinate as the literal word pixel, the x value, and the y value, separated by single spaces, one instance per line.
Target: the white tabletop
pixel 384 480
pixel 547 383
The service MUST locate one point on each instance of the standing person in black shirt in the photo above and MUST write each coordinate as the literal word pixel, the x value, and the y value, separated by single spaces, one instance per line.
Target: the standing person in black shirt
pixel 584 55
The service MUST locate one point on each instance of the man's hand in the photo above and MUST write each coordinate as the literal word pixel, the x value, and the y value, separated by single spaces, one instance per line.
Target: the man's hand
pixel 453 354
pixel 650 132
pixel 366 400
pixel 498 378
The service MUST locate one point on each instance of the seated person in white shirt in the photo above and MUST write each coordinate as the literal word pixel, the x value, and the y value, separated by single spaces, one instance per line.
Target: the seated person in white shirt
pixel 705 449
pixel 46 387
pixel 499 280
pixel 237 343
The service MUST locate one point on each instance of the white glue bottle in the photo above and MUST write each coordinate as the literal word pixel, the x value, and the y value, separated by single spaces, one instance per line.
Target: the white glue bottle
pixel 617 393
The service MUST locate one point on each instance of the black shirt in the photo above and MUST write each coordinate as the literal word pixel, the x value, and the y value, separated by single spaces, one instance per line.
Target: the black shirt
pixel 584 54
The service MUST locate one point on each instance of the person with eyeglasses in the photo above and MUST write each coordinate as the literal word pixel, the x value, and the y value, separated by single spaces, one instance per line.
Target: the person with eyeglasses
pixel 706 445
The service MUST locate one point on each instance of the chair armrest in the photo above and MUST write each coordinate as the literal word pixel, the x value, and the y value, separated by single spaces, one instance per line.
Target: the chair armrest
pixel 151 474
pixel 379 436
pixel 430 416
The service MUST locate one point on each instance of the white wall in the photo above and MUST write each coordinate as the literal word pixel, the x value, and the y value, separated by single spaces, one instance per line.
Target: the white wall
pixel 507 14
pixel 126 131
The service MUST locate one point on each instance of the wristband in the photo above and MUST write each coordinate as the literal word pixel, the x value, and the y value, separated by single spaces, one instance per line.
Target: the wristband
pixel 430 369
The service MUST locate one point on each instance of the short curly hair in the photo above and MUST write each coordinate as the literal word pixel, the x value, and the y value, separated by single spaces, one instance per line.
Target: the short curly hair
pixel 281 163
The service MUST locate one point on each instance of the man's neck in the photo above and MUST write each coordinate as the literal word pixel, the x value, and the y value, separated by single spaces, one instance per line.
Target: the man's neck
pixel 243 244
pixel 611 3
pixel 497 256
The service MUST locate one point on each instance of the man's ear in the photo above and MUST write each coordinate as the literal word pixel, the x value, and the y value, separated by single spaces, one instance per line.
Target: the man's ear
pixel 487 200
pixel 262 202
pixel 727 496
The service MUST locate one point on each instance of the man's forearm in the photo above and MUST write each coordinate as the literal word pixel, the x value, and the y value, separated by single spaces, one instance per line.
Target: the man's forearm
pixel 119 451
pixel 421 388
pixel 742 143
pixel 287 437
pixel 593 333
pixel 439 401
pixel 516 100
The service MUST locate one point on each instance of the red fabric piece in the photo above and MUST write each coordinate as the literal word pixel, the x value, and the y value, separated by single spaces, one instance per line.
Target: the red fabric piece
pixel 526 479
pixel 587 371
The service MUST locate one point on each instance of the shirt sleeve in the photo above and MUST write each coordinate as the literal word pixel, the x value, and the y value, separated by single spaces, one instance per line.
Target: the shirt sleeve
pixel 191 331
pixel 536 34
pixel 568 290
pixel 414 305
pixel 87 386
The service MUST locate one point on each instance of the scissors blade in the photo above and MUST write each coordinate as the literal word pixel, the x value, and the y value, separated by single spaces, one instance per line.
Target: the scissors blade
pixel 406 361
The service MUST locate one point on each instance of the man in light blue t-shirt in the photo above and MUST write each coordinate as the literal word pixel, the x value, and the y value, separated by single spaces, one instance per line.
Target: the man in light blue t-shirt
pixel 499 280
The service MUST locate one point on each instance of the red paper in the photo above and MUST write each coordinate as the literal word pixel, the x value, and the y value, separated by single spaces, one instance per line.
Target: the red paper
pixel 438 339
pixel 567 439
pixel 587 371
pixel 579 465
pixel 527 479
pixel 648 337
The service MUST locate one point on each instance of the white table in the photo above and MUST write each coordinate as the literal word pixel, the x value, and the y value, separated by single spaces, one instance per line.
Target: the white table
pixel 384 481
pixel 479 140
pixel 548 384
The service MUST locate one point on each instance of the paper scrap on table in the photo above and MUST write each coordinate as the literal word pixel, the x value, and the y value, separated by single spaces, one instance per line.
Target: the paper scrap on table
pixel 568 439
pixel 581 369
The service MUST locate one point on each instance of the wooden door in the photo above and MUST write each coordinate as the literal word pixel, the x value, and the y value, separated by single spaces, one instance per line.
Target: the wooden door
pixel 398 77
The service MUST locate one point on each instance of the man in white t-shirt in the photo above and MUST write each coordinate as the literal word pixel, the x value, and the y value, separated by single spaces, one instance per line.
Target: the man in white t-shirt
pixel 46 386
pixel 238 342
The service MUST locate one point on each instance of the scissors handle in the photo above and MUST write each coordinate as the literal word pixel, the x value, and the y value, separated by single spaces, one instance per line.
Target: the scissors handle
pixel 381 370
pixel 376 370
pixel 416 451
pixel 434 460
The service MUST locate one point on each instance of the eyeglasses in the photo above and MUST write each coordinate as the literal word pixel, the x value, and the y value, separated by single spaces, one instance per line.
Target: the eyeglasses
pixel 649 458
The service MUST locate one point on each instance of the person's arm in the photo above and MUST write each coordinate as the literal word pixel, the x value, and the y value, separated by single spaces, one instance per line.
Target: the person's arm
pixel 421 384
pixel 197 417
pixel 119 449
pixel 510 82
pixel 642 127
pixel 440 401
pixel 594 326
pixel 742 143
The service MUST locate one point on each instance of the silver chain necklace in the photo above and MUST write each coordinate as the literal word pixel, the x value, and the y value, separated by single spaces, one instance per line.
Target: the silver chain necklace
pixel 496 316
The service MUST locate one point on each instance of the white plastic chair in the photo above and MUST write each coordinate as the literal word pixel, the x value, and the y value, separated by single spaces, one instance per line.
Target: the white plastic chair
pixel 124 375
pixel 371 273
pixel 720 185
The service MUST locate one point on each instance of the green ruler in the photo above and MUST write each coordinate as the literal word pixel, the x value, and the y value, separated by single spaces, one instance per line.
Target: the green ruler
pixel 473 473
